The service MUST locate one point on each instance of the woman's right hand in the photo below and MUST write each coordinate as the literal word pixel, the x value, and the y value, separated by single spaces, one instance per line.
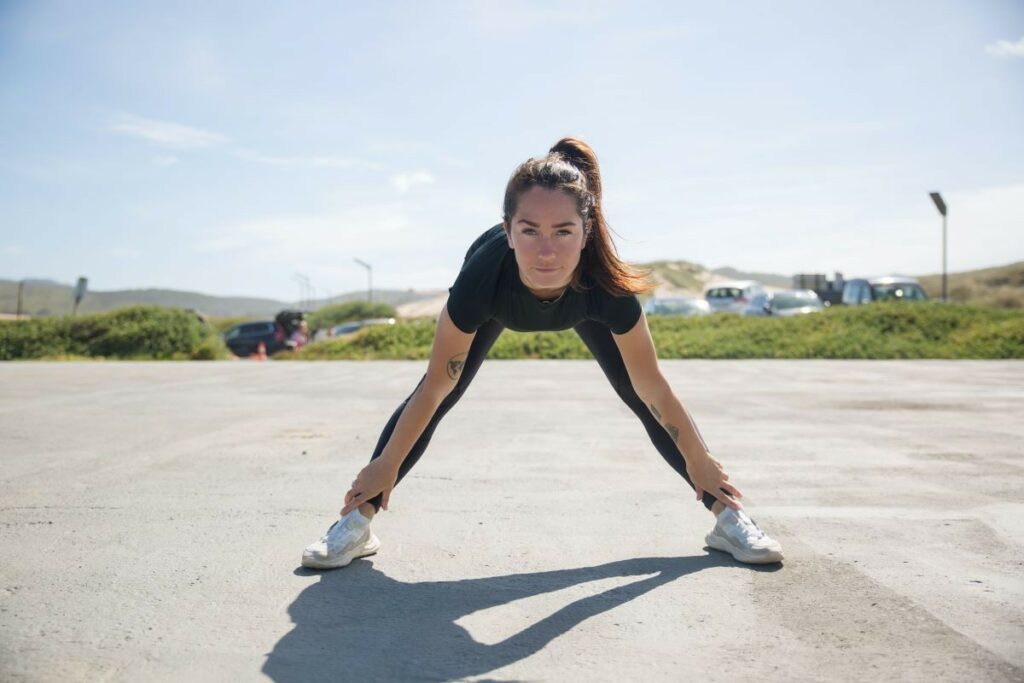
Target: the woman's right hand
pixel 378 476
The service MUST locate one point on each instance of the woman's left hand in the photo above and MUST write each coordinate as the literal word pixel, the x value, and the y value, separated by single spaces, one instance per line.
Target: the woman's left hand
pixel 708 475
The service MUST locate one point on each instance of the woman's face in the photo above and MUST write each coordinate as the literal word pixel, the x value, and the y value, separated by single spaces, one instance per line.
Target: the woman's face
pixel 547 235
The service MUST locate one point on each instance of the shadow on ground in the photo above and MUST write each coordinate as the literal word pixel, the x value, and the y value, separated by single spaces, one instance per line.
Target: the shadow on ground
pixel 359 624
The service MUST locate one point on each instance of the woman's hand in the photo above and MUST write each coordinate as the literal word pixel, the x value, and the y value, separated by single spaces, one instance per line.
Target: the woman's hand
pixel 707 475
pixel 378 476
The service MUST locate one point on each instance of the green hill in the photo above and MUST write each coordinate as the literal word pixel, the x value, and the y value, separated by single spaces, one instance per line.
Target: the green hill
pixel 42 298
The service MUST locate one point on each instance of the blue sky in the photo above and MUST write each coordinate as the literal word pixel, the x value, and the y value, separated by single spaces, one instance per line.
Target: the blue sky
pixel 223 147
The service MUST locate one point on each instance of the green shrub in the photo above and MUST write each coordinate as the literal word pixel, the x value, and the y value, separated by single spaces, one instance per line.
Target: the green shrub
pixel 882 330
pixel 135 332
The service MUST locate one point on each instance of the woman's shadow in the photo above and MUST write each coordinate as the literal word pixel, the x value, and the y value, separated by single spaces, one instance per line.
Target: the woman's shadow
pixel 358 624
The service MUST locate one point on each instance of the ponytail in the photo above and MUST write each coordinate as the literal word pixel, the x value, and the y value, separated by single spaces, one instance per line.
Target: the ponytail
pixel 571 166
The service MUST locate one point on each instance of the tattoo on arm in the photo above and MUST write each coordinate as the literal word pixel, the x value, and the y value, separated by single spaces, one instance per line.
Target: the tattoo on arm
pixel 455 365
pixel 674 432
pixel 671 429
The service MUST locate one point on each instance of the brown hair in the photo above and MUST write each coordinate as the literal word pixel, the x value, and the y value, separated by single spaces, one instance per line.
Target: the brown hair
pixel 571 166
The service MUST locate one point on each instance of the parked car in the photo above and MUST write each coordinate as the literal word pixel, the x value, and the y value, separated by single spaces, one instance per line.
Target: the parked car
pixel 676 305
pixel 785 303
pixel 245 338
pixel 888 288
pixel 354 326
pixel 732 297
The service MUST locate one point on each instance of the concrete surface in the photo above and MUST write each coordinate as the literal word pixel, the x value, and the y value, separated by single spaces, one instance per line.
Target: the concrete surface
pixel 153 517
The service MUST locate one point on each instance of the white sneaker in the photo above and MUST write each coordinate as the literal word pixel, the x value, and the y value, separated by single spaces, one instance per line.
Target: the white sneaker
pixel 737 534
pixel 348 538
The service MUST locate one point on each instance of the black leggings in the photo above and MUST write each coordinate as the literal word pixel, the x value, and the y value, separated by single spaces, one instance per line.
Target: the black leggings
pixel 598 339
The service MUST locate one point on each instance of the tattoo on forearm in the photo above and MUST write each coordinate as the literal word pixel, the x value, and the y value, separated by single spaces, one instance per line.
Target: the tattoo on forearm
pixel 673 432
pixel 455 365
pixel 671 429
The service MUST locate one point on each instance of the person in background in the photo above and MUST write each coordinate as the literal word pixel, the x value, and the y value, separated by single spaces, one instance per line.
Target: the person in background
pixel 300 336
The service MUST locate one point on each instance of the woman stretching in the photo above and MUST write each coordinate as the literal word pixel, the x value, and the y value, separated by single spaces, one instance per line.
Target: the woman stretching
pixel 550 265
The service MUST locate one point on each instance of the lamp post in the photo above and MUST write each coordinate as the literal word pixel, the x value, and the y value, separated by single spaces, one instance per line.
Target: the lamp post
pixel 304 290
pixel 941 206
pixel 369 271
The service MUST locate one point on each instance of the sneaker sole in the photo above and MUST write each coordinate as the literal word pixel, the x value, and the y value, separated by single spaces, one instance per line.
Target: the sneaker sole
pixel 370 547
pixel 725 545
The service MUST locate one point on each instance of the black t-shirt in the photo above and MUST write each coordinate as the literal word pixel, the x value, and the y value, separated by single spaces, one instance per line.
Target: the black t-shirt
pixel 489 286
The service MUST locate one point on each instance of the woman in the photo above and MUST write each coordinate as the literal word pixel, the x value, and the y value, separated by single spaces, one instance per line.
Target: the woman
pixel 550 265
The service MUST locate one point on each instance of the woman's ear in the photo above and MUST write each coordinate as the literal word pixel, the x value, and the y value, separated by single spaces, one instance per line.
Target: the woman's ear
pixel 508 235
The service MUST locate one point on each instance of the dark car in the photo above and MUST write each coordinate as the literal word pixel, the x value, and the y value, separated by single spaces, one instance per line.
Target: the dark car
pixel 888 288
pixel 245 338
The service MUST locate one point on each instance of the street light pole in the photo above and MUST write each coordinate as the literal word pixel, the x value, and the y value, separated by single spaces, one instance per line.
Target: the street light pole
pixel 369 270
pixel 941 206
pixel 303 283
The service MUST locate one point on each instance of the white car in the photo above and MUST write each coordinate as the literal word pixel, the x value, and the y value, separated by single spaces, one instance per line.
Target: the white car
pixel 785 303
pixel 676 305
pixel 732 297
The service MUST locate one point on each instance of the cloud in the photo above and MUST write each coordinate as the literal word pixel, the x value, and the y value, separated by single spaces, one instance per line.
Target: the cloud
pixel 1005 48
pixel 124 252
pixel 404 181
pixel 170 134
pixel 166 133
pixel 13 250
pixel 314 161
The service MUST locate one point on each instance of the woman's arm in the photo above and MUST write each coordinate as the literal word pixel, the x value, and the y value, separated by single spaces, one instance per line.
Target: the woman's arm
pixel 641 360
pixel 676 420
pixel 447 358
pixel 451 346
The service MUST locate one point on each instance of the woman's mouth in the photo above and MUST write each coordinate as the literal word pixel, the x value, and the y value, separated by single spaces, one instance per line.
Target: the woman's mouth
pixel 547 270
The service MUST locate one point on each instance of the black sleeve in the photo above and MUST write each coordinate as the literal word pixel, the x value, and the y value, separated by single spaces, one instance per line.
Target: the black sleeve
pixel 471 298
pixel 621 313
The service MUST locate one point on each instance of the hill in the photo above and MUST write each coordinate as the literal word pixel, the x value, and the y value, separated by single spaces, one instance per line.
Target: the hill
pixel 45 298
pixel 999 287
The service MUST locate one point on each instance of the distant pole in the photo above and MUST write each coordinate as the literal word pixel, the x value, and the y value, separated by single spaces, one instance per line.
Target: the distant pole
pixel 941 206
pixel 369 270
pixel 80 287
pixel 301 280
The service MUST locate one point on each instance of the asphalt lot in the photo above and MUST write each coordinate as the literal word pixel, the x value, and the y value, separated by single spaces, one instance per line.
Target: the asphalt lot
pixel 153 517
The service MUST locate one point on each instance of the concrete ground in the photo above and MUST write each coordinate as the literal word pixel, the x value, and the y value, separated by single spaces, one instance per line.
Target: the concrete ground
pixel 153 515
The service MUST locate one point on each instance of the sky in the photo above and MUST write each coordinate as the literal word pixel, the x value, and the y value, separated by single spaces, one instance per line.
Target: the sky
pixel 229 148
